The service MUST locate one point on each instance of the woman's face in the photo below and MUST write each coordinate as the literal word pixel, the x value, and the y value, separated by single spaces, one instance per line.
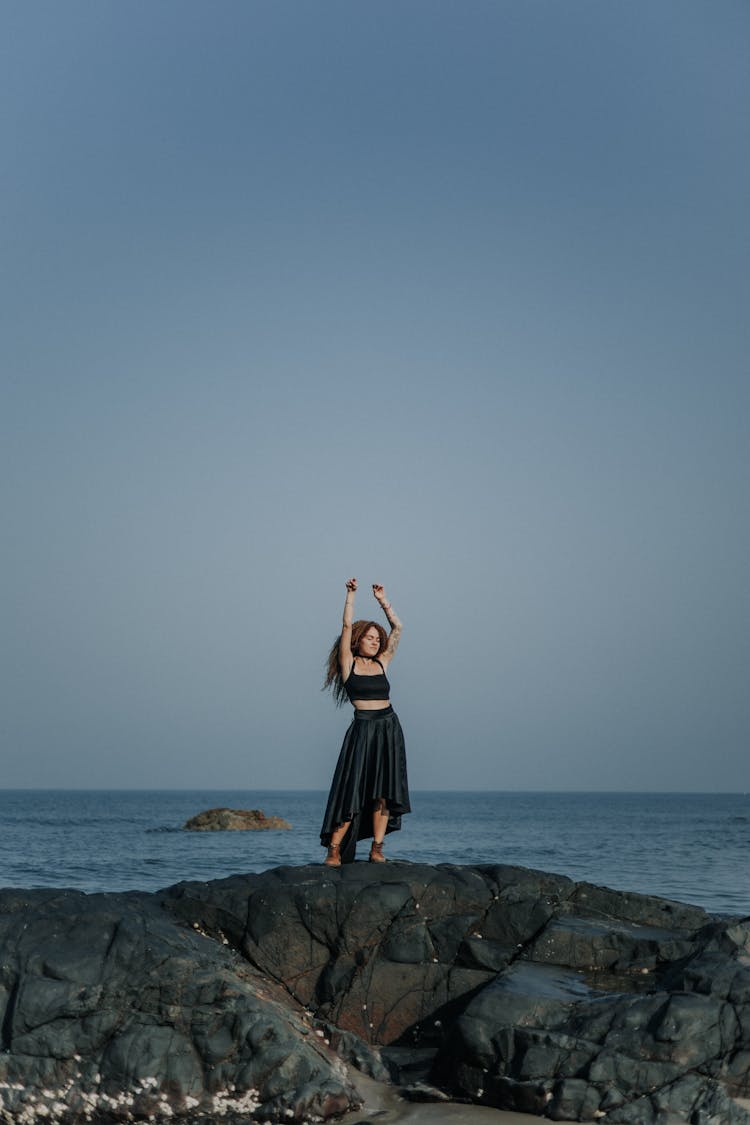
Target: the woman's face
pixel 369 644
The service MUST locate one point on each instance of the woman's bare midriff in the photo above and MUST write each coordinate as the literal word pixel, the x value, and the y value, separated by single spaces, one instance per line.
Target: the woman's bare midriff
pixel 370 704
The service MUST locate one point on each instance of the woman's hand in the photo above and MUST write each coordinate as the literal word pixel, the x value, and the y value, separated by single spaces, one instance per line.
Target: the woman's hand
pixel 379 593
pixel 351 585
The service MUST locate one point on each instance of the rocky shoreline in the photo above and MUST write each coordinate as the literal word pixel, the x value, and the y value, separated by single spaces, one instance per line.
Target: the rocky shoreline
pixel 266 997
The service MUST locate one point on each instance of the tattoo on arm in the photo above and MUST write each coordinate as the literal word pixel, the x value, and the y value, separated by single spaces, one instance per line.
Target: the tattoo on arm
pixel 393 639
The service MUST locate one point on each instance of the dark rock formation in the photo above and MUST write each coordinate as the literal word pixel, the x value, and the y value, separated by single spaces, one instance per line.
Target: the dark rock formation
pixel 234 820
pixel 505 986
pixel 244 997
pixel 110 1011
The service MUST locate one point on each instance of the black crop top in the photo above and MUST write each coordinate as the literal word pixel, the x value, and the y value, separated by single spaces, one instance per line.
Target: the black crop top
pixel 367 687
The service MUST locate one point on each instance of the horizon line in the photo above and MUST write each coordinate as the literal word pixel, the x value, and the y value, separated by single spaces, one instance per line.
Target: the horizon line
pixel 447 789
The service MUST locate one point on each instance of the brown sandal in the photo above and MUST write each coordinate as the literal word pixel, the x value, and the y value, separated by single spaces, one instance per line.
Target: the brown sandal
pixel 333 859
pixel 376 853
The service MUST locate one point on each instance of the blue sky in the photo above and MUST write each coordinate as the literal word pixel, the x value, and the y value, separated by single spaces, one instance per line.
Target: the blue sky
pixel 450 296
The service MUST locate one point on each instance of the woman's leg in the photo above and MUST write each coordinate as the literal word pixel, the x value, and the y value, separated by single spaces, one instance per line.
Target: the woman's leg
pixel 379 820
pixel 333 858
pixel 338 834
pixel 379 825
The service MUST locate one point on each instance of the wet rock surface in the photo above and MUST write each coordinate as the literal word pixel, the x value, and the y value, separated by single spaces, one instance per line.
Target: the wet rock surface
pixel 110 1011
pixel 234 820
pixel 249 997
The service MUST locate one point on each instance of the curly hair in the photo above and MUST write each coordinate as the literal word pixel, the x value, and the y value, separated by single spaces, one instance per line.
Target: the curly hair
pixel 333 678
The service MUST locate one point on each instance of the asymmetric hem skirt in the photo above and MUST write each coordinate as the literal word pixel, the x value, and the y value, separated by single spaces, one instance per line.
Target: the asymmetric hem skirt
pixel 371 766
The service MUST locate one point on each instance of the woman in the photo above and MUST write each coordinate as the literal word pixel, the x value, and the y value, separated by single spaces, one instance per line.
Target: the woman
pixel 369 792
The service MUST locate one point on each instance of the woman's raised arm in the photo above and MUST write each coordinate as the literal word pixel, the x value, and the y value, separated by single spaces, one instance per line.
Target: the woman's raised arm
pixel 395 634
pixel 345 646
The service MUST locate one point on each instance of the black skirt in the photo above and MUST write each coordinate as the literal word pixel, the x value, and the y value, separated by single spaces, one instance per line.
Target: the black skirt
pixel 371 766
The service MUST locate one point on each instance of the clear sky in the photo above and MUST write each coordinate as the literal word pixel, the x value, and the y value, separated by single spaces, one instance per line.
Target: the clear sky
pixel 451 296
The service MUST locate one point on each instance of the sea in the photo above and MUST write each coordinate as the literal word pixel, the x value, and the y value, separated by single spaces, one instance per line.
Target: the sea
pixel 691 847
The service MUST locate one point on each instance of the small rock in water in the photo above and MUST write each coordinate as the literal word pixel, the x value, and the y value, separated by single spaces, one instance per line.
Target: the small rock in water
pixel 222 820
